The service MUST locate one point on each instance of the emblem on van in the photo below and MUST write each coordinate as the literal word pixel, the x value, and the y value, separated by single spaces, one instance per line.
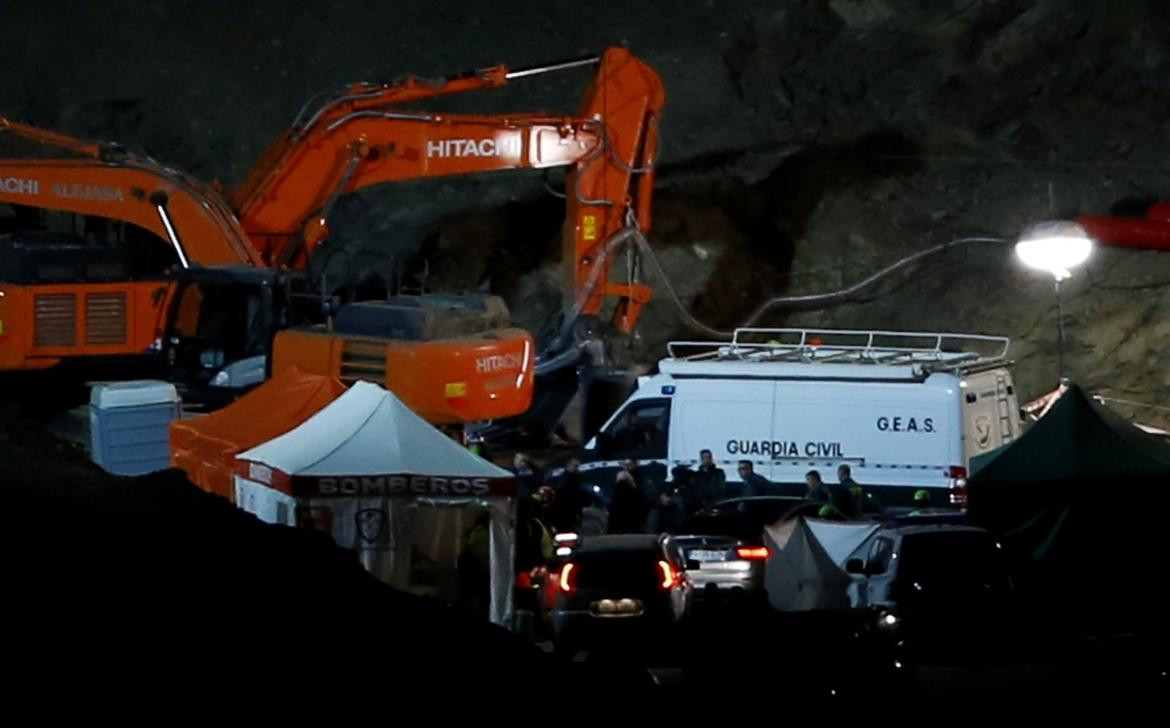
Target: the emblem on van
pixel 983 431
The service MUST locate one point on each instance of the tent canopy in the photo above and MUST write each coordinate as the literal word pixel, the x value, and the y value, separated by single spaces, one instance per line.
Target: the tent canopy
pixel 839 539
pixel 1078 502
pixel 367 442
pixel 206 447
pixel 409 500
pixel 1077 439
pixel 805 570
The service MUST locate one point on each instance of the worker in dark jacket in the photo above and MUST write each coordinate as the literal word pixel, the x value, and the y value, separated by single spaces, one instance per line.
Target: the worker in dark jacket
pixel 680 485
pixel 834 495
pixel 528 476
pixel 568 499
pixel 751 482
pixel 666 514
pixel 708 481
pixel 860 501
pixel 594 517
pixel 648 480
pixel 627 513
pixel 474 567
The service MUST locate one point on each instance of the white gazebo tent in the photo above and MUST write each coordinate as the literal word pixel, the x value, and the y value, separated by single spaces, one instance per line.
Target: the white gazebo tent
pixel 806 566
pixel 385 483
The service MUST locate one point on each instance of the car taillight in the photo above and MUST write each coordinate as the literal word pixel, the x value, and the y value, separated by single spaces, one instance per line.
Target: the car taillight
pixel 668 574
pixel 958 489
pixel 958 493
pixel 757 553
pixel 566 578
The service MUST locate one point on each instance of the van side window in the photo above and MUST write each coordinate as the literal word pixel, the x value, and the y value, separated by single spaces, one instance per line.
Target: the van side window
pixel 878 561
pixel 640 430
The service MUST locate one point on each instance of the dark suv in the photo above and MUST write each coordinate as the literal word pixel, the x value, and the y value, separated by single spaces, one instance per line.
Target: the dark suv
pixel 628 588
pixel 932 584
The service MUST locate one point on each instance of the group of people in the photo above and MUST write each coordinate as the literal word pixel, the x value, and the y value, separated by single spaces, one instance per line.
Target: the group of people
pixel 643 500
pixel 845 499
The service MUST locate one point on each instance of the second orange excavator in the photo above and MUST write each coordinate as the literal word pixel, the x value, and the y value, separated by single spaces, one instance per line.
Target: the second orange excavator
pixel 228 304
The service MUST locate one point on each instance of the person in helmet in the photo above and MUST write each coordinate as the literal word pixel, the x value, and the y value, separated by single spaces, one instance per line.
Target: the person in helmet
pixel 475 444
pixel 921 502
pixel 830 513
pixel 833 495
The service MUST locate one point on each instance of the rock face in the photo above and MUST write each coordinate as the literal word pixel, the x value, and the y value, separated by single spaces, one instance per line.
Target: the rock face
pixel 805 144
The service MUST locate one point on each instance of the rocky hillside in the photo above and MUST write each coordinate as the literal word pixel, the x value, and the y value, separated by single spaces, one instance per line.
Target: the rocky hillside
pixel 805 144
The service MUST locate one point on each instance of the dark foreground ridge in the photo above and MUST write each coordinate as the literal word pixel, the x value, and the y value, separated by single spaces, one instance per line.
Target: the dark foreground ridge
pixel 149 582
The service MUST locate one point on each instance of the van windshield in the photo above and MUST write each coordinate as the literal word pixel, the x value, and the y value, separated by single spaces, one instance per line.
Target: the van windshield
pixel 639 431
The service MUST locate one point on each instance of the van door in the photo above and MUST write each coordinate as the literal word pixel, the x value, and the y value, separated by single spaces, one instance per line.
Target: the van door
pixel 639 432
pixel 990 412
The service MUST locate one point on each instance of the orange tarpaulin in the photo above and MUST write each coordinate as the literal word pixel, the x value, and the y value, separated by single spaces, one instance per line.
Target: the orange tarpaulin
pixel 206 447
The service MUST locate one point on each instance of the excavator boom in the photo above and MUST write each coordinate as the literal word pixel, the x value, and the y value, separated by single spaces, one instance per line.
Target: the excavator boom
pixel 285 153
pixel 363 137
pixel 377 147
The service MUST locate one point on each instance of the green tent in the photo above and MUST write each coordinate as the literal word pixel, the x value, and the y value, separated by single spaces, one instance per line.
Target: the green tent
pixel 1078 438
pixel 1079 502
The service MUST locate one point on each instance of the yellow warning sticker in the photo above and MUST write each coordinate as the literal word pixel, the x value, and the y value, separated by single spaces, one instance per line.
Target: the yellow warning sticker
pixel 455 389
pixel 589 227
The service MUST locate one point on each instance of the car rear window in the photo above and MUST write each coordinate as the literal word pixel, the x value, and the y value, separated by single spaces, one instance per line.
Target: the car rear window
pixel 617 569
pixel 952 560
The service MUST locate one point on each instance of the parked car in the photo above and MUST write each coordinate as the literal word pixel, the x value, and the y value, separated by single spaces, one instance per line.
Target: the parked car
pixel 621 589
pixel 724 543
pixel 931 585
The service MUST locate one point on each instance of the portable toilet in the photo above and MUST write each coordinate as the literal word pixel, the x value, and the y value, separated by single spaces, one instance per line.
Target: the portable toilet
pixel 129 424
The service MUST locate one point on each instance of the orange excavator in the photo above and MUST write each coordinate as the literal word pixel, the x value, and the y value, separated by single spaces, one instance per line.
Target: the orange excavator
pixel 1148 232
pixel 237 264
pixel 85 279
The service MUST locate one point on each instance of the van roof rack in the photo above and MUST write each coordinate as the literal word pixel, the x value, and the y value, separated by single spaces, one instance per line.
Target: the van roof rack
pixel 848 346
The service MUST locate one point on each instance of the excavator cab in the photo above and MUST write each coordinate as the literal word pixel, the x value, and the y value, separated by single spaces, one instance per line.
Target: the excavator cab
pixel 221 325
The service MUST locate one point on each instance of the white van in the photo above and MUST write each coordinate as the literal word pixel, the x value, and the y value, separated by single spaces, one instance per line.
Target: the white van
pixel 904 410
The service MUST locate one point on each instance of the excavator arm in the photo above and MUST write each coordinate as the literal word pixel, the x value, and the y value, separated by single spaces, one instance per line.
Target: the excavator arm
pixel 1151 232
pixel 115 184
pixel 613 193
pixel 367 148
pixel 363 137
